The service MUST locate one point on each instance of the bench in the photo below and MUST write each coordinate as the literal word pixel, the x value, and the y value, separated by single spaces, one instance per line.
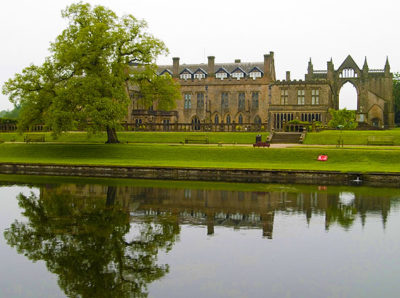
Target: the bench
pixel 380 140
pixel 198 139
pixel 34 138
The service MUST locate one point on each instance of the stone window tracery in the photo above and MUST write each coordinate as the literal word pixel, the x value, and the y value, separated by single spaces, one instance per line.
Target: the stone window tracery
pixel 241 101
pixel 200 100
pixel 254 100
pixel 300 97
pixel 315 97
pixel 224 100
pixel 284 96
pixel 188 101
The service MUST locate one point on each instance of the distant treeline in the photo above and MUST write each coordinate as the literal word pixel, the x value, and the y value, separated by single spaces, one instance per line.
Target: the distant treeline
pixel 13 114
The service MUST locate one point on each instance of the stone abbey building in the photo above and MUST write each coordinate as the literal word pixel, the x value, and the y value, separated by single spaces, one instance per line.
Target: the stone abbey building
pixel 246 96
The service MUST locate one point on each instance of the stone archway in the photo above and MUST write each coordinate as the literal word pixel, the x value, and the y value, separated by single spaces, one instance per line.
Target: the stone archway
pixel 373 86
pixel 348 72
pixel 346 92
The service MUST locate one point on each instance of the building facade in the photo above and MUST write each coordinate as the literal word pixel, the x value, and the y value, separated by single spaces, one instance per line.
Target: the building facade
pixel 247 97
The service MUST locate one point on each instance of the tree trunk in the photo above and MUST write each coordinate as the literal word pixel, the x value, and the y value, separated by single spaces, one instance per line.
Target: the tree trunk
pixel 111 136
pixel 111 194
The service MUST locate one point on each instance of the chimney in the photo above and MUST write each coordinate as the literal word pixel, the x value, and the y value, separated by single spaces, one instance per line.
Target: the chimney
pixel 175 67
pixel 267 64
pixel 269 70
pixel 211 65
pixel 288 76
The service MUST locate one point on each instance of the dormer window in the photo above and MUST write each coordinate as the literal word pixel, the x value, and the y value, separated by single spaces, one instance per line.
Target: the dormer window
pixel 199 74
pixel 221 74
pixel 238 73
pixel 166 72
pixel 255 73
pixel 186 74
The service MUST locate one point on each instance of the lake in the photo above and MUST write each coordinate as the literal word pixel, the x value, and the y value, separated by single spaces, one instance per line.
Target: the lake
pixel 80 237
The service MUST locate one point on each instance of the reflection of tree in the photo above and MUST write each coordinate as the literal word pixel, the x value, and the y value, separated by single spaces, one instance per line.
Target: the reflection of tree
pixel 340 213
pixel 83 241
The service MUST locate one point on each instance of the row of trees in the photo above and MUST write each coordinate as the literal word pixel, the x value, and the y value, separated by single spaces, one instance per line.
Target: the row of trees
pixel 84 82
pixel 396 97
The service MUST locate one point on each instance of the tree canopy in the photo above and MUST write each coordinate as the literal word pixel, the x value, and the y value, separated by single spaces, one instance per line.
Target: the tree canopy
pixel 396 97
pixel 343 119
pixel 84 82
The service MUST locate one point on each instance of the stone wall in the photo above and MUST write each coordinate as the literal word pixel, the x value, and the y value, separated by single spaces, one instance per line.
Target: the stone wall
pixel 207 174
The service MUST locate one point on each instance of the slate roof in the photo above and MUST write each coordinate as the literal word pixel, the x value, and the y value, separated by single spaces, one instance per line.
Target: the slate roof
pixel 230 67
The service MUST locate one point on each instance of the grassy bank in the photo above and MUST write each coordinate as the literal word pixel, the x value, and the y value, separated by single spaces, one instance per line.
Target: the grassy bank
pixel 144 137
pixel 350 137
pixel 327 137
pixel 367 160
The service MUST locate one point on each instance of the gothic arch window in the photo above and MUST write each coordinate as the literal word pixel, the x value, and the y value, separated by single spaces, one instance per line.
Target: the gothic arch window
pixel 216 119
pixel 200 100
pixel 348 73
pixel 240 119
pixel 195 123
pixel 257 120
pixel 224 100
pixel 254 100
pixel 241 101
pixel 228 119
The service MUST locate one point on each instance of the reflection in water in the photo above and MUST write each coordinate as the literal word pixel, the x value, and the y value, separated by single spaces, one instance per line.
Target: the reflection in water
pixel 83 240
pixel 105 239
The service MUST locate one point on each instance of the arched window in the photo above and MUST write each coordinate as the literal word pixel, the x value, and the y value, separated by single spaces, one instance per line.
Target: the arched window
pixel 216 119
pixel 228 119
pixel 240 120
pixel 200 100
pixel 195 123
pixel 224 100
pixel 241 101
pixel 257 120
pixel 254 100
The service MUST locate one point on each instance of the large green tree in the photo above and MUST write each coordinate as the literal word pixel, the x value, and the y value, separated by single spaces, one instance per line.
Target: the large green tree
pixel 84 82
pixel 396 96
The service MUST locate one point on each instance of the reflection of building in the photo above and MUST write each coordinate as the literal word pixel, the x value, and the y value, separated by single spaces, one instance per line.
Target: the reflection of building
pixel 232 208
pixel 238 96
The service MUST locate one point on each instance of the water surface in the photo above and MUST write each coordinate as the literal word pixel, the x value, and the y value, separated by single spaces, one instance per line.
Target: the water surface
pixel 131 238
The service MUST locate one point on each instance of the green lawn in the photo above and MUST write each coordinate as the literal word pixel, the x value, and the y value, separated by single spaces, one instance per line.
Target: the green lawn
pixel 365 160
pixel 145 137
pixel 350 137
pixel 327 137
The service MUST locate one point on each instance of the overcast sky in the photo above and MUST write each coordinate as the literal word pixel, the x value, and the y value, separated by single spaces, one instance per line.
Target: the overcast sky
pixel 227 29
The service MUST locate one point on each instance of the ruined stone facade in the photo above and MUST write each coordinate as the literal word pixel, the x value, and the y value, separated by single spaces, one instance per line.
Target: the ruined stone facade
pixel 247 96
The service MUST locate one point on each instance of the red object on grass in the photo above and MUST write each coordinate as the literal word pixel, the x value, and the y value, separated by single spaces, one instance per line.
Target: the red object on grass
pixel 261 144
pixel 322 157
